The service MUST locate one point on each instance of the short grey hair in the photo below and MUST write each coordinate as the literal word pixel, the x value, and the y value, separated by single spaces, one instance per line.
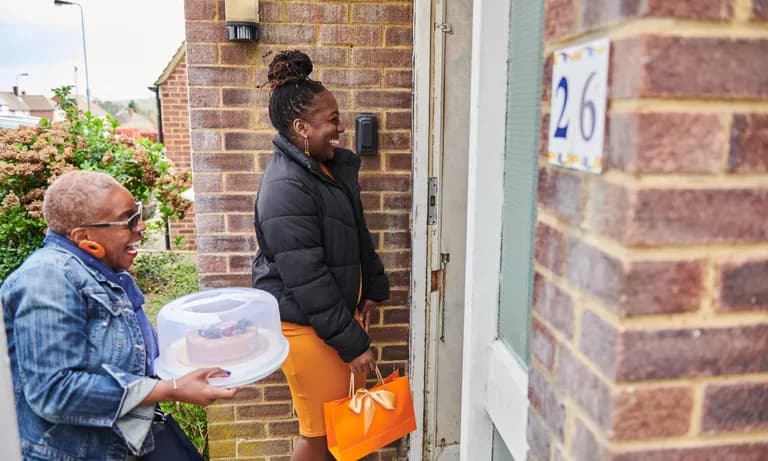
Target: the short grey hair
pixel 69 201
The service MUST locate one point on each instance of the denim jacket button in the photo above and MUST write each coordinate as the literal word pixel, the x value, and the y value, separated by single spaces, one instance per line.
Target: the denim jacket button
pixel 139 346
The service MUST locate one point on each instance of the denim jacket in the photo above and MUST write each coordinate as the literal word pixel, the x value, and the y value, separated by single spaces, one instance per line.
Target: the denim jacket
pixel 78 360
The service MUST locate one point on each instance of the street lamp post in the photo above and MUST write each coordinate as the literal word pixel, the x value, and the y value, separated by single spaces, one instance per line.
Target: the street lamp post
pixel 85 53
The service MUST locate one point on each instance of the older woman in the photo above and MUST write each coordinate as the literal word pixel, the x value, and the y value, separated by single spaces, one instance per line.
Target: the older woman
pixel 81 347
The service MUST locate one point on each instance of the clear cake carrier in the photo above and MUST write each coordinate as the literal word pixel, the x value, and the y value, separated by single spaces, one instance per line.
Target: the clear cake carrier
pixel 237 329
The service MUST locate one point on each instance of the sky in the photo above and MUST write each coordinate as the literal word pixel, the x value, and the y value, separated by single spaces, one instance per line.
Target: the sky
pixel 128 43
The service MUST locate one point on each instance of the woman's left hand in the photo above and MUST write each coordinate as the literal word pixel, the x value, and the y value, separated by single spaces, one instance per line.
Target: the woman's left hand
pixel 366 306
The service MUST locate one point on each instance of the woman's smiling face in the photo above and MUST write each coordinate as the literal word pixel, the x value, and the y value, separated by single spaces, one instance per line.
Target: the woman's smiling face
pixel 323 126
pixel 120 242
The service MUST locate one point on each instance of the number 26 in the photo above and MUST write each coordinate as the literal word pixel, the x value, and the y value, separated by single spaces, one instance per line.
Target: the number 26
pixel 561 129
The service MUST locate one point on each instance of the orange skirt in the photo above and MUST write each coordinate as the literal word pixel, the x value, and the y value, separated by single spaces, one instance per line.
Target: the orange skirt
pixel 315 374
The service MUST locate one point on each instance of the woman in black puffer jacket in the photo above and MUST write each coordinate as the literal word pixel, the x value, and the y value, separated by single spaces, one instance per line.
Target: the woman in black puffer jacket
pixel 316 255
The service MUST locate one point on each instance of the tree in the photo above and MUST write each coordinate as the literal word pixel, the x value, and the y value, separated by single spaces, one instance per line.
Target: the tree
pixel 33 157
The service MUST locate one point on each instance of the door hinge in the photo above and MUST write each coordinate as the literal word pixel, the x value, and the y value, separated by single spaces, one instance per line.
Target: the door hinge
pixel 444 28
pixel 432 202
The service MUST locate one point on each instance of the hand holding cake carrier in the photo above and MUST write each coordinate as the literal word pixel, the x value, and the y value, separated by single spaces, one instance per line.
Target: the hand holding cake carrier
pixel 237 329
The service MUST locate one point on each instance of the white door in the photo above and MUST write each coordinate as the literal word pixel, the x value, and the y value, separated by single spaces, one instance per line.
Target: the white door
pixel 444 233
pixel 502 170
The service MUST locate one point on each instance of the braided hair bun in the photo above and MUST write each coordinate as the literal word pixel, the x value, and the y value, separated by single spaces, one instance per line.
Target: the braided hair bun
pixel 293 92
pixel 288 67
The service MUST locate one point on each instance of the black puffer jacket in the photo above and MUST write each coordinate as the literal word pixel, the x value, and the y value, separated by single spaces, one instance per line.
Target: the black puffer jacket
pixel 315 245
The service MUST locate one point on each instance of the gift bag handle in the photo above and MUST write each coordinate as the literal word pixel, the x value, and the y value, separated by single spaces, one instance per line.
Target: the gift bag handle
pixel 352 381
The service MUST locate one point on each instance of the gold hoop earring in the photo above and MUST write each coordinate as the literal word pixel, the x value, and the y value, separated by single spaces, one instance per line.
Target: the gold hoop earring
pixel 306 146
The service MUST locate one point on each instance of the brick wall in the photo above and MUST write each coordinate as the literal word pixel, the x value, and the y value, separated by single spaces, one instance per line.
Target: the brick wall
pixel 650 316
pixel 363 53
pixel 175 113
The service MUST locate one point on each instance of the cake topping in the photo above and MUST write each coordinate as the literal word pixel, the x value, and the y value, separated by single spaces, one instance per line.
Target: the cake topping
pixel 225 329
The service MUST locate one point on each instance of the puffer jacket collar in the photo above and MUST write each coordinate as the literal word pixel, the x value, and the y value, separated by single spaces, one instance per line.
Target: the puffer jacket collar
pixel 344 162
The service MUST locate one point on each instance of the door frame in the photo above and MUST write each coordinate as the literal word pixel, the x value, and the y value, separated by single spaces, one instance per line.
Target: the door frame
pixel 495 383
pixel 489 369
pixel 420 282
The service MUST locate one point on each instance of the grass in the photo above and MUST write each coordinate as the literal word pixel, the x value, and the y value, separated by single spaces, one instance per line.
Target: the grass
pixel 163 277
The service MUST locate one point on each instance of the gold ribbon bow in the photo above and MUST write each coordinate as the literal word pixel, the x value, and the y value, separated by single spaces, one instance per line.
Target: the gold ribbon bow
pixel 365 401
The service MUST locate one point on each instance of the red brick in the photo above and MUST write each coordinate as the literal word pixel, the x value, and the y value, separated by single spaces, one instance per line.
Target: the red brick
pixel 205 31
pixel 224 203
pixel 749 143
pixel 538 438
pixel 237 54
pixel 235 97
pixel 240 223
pixel 743 285
pixel 399 162
pixel 385 183
pixel 220 118
pixel 542 344
pixel 224 281
pixel 585 446
pixel 198 53
pixel 549 247
pixel 371 201
pixel 234 430
pixel 760 10
pixel 399 260
pixel 678 216
pixel 199 10
pixel 690 67
pixel 684 353
pixel 387 221
pixel 350 34
pixel 241 182
pixel 378 99
pixel 757 451
pixel 741 407
pixel 208 182
pixel 398 79
pixel 247 141
pixel 240 263
pixel 598 342
pixel 264 411
pixel 656 142
pixel 264 447
pixel 382 57
pixel 290 428
pixel 398 120
pixel 285 34
pixel 396 316
pixel 398 36
pixel 350 77
pixel 222 162
pixel 651 413
pixel 394 353
pixel 585 388
pixel 543 399
pixel 219 76
pixel 559 19
pixel 205 140
pixel 397 201
pixel 560 192
pixel 388 334
pixel 395 140
pixel 397 240
pixel 385 14
pixel 209 224
pixel 211 263
pixel 691 9
pixel 315 12
pixel 553 305
pixel 249 393
pixel 277 393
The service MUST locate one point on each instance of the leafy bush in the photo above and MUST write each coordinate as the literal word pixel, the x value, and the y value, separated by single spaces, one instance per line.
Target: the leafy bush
pixel 163 277
pixel 31 158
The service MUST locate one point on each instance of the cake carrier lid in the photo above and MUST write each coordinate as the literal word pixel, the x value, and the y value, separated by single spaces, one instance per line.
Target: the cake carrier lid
pixel 213 306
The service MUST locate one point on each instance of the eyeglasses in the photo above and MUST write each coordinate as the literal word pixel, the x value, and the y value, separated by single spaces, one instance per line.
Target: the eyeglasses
pixel 131 223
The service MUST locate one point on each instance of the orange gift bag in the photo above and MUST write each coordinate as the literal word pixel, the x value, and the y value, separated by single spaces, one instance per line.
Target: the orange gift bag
pixel 369 418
